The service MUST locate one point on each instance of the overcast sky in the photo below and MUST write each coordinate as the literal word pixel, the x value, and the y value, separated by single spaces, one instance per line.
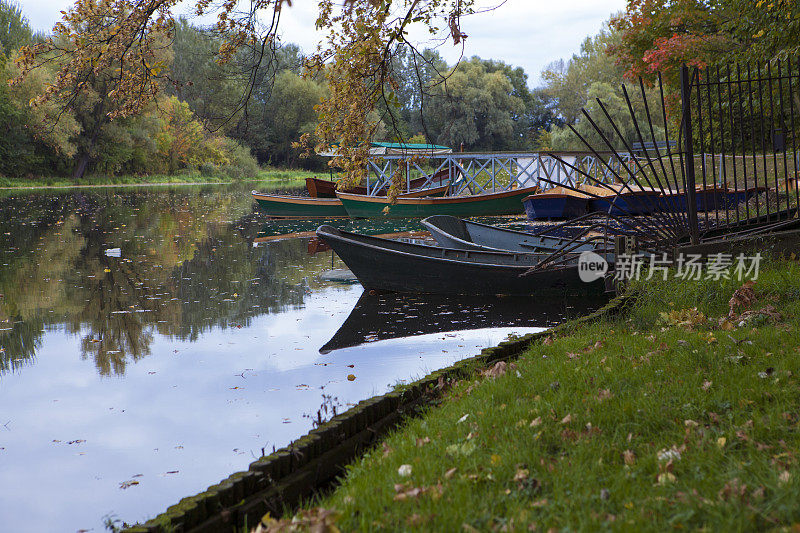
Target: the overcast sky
pixel 526 33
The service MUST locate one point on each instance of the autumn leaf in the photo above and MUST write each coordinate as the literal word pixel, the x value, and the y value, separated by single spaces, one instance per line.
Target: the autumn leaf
pixel 742 298
pixel 604 394
pixel 629 457
pixel 404 470
pixel 567 419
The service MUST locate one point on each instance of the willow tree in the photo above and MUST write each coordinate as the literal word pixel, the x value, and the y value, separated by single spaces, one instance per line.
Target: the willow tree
pixel 123 40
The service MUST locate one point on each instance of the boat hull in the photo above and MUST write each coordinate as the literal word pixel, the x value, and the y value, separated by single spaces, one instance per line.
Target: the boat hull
pixel 384 265
pixel 539 207
pixel 279 206
pixel 706 200
pixel 626 204
pixel 502 203
pixel 453 232
pixel 319 188
pixel 299 206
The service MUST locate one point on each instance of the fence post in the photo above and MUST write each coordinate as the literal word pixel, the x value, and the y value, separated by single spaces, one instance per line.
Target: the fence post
pixel 691 196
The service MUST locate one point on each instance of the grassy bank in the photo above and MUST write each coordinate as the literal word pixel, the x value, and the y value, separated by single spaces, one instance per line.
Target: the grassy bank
pixel 664 416
pixel 289 178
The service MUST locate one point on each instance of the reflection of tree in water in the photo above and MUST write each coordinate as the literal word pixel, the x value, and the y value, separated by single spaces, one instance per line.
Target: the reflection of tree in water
pixel 19 342
pixel 183 270
pixel 228 282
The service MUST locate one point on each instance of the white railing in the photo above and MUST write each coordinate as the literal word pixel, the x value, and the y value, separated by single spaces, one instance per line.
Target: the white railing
pixel 476 173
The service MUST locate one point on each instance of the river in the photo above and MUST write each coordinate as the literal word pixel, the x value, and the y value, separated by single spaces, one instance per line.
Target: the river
pixel 155 340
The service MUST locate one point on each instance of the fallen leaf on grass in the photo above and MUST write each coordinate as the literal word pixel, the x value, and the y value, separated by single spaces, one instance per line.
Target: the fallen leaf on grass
pixel 536 422
pixel 567 419
pixel 784 477
pixel 404 470
pixel 499 369
pixel 721 442
pixel 466 448
pixel 450 473
pixel 423 442
pixel 733 490
pixel 686 318
pixel 743 297
pixel 604 394
pixel 672 454
pixel 318 520
pixel 707 384
pixel 666 478
pixel 629 457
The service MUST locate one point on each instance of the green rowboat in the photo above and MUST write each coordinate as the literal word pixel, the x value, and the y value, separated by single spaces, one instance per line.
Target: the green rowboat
pixel 496 203
pixel 276 205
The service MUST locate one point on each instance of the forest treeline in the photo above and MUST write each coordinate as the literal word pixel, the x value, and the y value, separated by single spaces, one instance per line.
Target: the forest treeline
pixel 201 122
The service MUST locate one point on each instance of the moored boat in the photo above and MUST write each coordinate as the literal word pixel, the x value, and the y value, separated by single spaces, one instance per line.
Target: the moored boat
pixel 282 206
pixel 386 265
pixel 276 205
pixel 319 188
pixel 619 200
pixel 708 198
pixel 558 202
pixel 737 196
pixel 454 232
pixel 496 203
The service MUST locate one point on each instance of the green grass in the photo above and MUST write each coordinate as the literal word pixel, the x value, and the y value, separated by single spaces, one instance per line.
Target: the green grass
pixel 283 177
pixel 579 435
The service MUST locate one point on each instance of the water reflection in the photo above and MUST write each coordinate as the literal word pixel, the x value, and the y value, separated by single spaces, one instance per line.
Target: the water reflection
pixel 167 335
pixel 389 316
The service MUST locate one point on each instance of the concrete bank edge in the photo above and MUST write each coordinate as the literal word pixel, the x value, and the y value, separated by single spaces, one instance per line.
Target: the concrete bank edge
pixel 284 478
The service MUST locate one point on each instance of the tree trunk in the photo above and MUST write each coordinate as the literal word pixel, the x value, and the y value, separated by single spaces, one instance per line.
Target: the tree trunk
pixel 80 168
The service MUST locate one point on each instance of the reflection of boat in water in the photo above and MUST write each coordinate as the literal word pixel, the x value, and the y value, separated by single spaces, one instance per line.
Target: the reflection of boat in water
pixel 388 316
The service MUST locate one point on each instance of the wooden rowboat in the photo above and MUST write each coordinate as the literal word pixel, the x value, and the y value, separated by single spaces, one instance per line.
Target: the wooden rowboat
pixel 453 232
pixel 281 206
pixel 276 205
pixel 386 265
pixel 497 203
pixel 319 188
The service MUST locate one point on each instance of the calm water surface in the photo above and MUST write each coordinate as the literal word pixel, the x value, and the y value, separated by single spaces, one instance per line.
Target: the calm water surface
pixel 155 340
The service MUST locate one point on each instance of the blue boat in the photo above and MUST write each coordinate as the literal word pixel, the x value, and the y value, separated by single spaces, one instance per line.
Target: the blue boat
pixel 709 199
pixel 738 196
pixel 622 201
pixel 558 202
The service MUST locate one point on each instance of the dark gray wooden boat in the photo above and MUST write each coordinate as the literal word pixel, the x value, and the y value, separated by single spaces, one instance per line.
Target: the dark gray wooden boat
pixel 454 232
pixel 386 265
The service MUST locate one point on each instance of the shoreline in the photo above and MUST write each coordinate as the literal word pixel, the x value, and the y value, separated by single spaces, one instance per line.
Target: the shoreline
pixel 289 475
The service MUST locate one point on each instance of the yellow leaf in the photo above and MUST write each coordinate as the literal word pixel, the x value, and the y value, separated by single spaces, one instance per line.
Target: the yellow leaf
pixel 496 459
pixel 107 270
pixel 351 377
pixel 721 442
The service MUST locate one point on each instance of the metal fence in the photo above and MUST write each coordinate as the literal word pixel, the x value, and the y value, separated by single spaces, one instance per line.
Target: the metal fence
pixel 475 173
pixel 726 165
